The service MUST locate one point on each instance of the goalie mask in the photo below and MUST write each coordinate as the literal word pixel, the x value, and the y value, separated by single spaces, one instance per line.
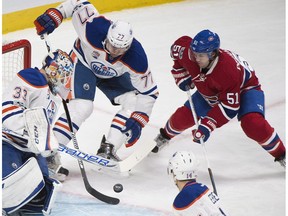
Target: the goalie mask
pixel 58 67
pixel 183 166
pixel 119 38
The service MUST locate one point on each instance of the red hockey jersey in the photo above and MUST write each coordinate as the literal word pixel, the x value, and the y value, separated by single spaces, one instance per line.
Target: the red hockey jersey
pixel 221 86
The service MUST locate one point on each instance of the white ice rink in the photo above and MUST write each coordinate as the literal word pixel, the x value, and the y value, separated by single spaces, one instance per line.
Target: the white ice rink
pixel 248 181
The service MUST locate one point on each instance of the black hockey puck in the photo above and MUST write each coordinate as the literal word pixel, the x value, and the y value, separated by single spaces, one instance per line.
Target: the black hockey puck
pixel 118 188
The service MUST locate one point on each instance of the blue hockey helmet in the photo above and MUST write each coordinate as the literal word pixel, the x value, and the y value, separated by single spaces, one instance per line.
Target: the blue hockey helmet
pixel 205 42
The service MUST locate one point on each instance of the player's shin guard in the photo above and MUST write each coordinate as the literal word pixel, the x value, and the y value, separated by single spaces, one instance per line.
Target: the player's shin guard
pixel 180 120
pixel 257 128
pixel 115 136
pixel 79 110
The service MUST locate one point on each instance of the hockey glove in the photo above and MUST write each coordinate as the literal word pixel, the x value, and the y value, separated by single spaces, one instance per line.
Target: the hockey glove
pixel 133 127
pixel 183 79
pixel 206 126
pixel 47 22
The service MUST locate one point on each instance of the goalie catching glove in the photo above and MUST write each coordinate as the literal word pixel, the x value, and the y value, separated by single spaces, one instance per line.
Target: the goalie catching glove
pixel 206 126
pixel 49 21
pixel 133 127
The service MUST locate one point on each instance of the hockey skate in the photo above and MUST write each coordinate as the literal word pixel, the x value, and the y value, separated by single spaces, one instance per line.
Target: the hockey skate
pixel 161 140
pixel 281 160
pixel 107 150
pixel 56 170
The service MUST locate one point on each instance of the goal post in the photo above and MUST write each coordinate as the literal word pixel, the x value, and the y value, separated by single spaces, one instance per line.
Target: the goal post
pixel 16 56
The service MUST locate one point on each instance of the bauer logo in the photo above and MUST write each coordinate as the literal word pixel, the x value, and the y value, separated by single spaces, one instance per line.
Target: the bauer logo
pixel 84 156
pixel 102 71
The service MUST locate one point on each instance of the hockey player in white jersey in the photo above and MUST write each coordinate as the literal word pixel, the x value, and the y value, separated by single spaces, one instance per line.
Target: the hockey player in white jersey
pixel 29 106
pixel 111 59
pixel 194 198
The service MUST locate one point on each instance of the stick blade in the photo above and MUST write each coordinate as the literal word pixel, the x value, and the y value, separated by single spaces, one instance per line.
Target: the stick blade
pixel 102 197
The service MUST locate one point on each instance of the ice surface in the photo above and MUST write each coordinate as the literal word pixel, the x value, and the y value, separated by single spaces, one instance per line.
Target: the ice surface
pixel 248 181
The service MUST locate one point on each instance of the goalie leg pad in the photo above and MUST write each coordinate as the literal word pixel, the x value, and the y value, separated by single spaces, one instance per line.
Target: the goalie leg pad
pixel 44 201
pixel 22 185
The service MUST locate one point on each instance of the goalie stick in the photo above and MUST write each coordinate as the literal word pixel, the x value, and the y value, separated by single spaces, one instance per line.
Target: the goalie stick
pixel 89 188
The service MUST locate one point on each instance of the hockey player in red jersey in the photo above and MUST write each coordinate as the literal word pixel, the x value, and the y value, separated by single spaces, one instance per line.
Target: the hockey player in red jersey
pixel 226 87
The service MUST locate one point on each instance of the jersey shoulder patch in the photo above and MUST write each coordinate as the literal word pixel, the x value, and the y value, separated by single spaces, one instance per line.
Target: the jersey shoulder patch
pixel 33 77
pixel 135 58
pixel 189 194
pixel 178 47
pixel 96 31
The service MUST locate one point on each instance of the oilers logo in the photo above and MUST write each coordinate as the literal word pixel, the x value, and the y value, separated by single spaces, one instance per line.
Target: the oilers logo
pixel 51 110
pixel 102 71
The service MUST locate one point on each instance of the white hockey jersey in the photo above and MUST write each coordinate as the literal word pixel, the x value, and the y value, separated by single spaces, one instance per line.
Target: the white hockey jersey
pixel 92 30
pixel 197 200
pixel 29 89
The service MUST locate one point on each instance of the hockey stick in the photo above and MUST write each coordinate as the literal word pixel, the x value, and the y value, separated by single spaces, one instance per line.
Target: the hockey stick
pixel 122 166
pixel 89 188
pixel 201 141
pixel 93 159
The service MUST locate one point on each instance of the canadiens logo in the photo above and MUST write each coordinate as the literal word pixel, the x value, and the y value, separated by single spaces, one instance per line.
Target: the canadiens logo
pixel 211 38
pixel 211 100
pixel 51 110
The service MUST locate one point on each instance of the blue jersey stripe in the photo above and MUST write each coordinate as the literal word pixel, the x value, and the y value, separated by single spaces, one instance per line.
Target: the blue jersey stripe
pixel 33 77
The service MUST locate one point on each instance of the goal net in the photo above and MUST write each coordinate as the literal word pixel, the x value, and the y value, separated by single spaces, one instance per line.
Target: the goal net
pixel 16 56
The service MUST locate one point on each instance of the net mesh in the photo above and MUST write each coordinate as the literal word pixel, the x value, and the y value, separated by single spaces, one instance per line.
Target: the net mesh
pixel 16 56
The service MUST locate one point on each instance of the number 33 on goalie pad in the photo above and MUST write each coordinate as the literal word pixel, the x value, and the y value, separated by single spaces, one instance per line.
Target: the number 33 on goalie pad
pixel 41 138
